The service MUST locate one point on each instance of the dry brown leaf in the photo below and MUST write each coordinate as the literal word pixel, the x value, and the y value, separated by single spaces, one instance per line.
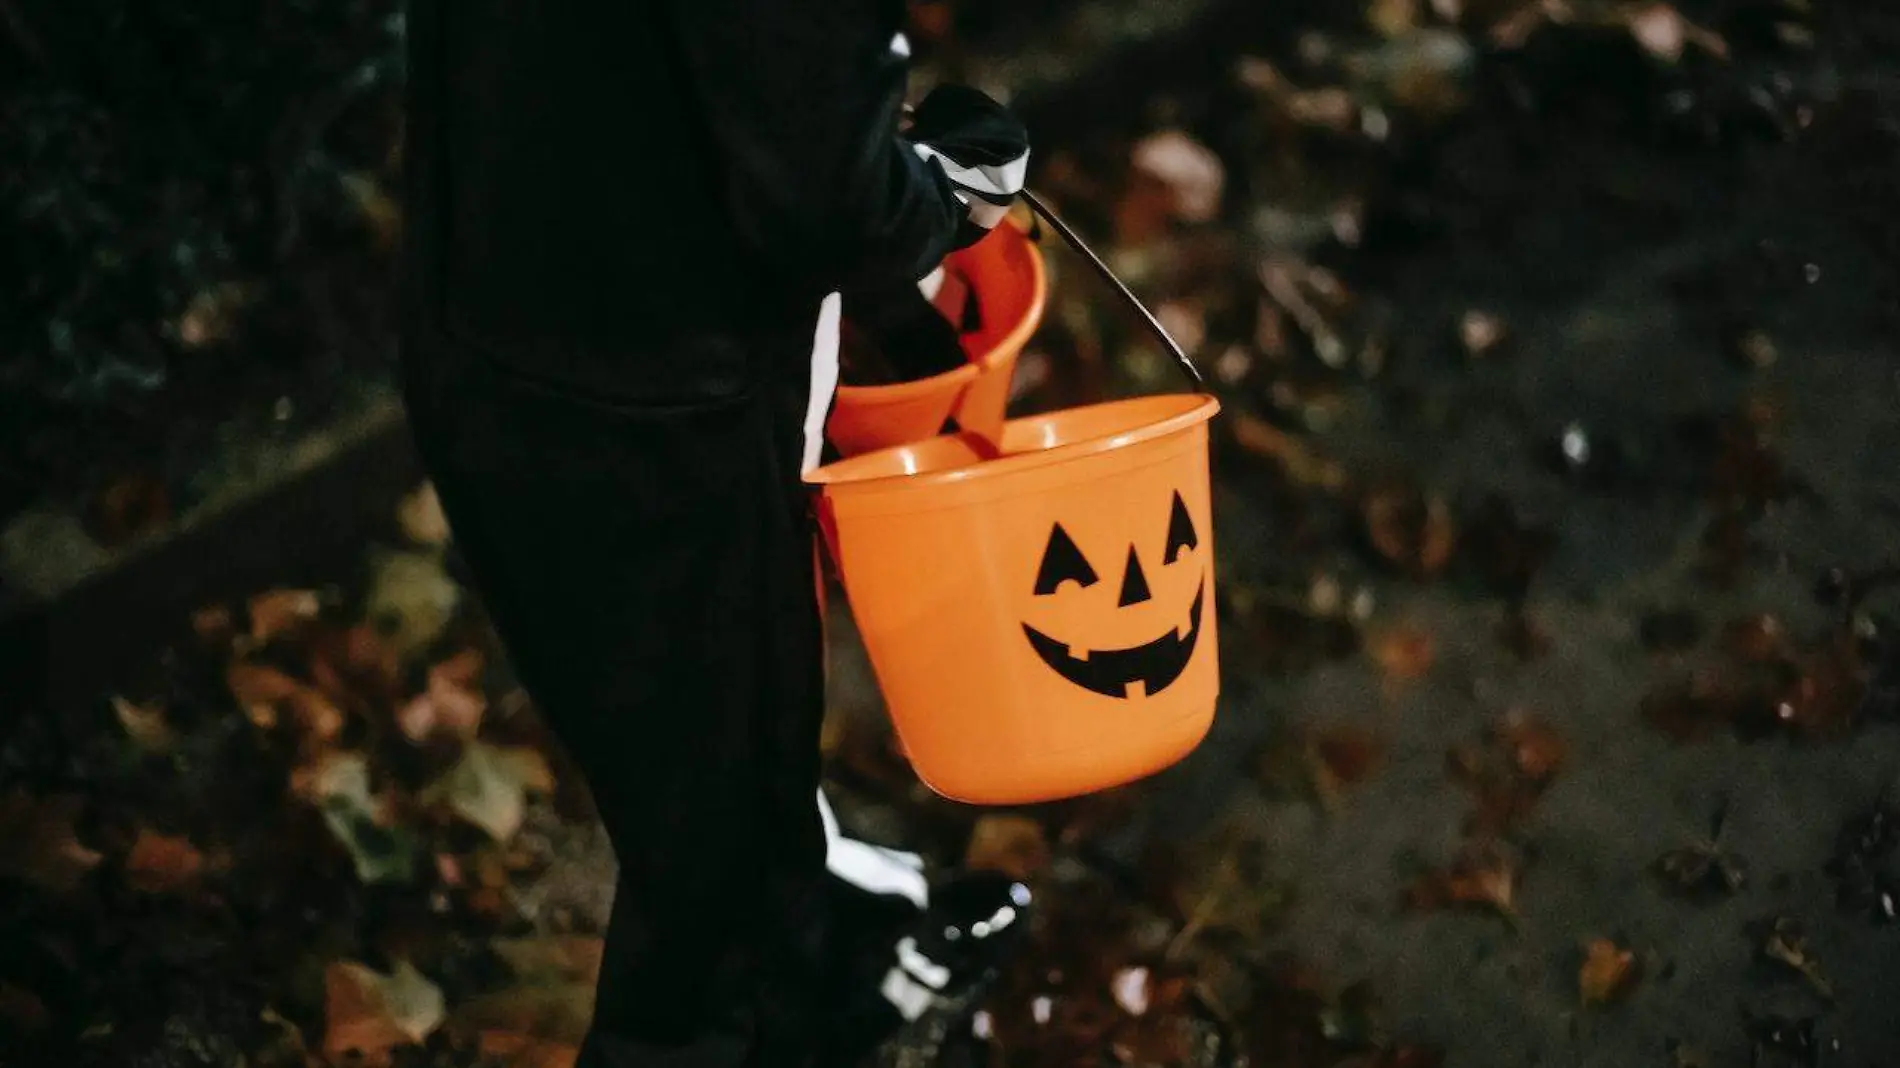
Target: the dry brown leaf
pixel 1403 653
pixel 258 688
pixel 1609 972
pixel 162 863
pixel 1481 877
pixel 264 692
pixel 1014 845
pixel 146 725
pixel 1411 530
pixel 279 612
pixel 39 843
pixel 1785 941
pixel 373 1013
pixel 1536 750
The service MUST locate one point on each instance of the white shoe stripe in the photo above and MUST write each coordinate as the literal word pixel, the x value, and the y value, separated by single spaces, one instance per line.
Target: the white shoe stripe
pixel 872 867
pixel 928 971
pixel 903 992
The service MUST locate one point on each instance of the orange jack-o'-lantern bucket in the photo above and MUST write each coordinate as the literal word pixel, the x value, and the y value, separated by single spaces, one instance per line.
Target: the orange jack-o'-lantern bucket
pixel 1040 617
pixel 1004 272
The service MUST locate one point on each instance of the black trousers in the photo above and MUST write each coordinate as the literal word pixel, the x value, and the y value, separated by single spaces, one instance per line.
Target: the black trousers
pixel 650 571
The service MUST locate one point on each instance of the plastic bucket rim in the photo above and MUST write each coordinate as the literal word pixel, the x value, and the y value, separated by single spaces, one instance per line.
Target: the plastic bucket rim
pixel 1203 411
pixel 1011 343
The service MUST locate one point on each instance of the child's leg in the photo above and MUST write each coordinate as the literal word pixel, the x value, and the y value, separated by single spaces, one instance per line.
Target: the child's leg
pixel 649 571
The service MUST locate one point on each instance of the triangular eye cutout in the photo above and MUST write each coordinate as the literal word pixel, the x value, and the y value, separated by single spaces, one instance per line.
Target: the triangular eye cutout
pixel 1180 532
pixel 1062 562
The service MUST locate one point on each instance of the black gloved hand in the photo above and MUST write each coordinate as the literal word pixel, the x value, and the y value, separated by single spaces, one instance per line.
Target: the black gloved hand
pixel 981 146
pixel 907 338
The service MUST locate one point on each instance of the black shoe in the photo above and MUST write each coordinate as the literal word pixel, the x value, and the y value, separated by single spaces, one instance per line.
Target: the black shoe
pixel 937 963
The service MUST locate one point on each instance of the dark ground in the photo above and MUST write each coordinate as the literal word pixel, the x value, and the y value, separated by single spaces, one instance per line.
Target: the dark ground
pixel 1442 638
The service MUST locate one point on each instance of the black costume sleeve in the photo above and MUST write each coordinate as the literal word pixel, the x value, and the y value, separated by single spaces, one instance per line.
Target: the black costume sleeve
pixel 802 100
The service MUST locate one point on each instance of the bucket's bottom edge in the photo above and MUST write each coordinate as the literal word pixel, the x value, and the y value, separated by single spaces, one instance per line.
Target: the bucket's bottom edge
pixel 1038 797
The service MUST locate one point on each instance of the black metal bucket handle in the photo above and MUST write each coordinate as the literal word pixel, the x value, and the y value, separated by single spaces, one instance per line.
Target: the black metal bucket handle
pixel 1154 325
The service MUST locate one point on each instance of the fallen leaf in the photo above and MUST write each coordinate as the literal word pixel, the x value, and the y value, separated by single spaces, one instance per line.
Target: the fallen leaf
pixel 372 1014
pixel 489 786
pixel 420 515
pixel 1404 654
pixel 1702 871
pixel 264 692
pixel 39 843
pixel 1192 174
pixel 162 863
pixel 1784 941
pixel 279 612
pixel 146 725
pixel 1414 532
pixel 1481 334
pixel 411 599
pixel 1014 845
pixel 1536 750
pixel 1130 989
pixel 1661 30
pixel 1608 974
pixel 453 703
pixel 211 314
pixel 339 785
pixel 1754 349
pixel 1483 876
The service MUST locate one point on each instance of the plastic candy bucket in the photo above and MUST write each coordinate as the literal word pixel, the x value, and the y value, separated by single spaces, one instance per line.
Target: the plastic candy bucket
pixel 1006 278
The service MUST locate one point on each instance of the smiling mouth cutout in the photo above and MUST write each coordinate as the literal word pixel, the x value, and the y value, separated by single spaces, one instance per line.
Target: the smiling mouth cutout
pixel 1141 671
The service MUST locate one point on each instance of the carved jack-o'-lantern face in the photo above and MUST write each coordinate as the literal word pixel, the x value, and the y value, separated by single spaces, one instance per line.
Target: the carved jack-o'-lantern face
pixel 1152 594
